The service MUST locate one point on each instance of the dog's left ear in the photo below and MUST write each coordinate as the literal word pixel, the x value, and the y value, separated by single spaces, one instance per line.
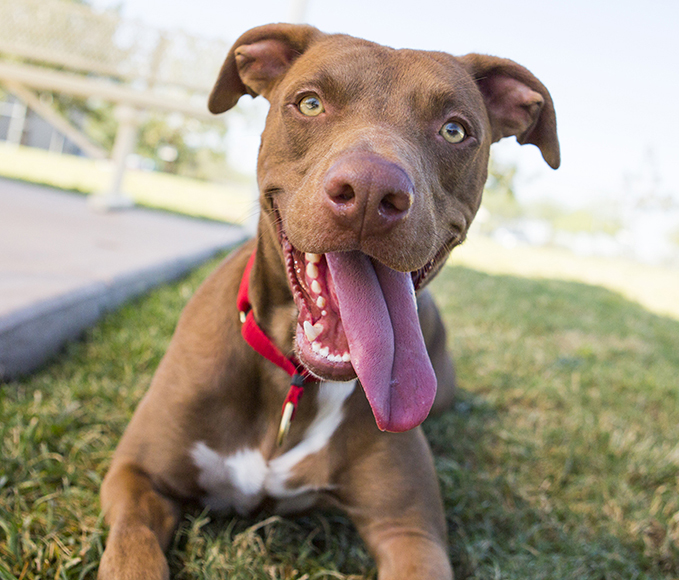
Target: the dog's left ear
pixel 517 103
pixel 257 60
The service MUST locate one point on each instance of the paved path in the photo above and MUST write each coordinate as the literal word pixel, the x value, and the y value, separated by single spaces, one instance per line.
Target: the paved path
pixel 62 265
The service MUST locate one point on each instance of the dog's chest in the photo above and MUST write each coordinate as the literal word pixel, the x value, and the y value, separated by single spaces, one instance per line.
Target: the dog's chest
pixel 242 480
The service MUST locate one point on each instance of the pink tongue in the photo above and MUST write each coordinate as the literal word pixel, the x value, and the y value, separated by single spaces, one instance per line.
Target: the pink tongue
pixel 378 311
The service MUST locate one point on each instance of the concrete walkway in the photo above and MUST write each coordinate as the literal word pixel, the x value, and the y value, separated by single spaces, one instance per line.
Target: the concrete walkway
pixel 62 265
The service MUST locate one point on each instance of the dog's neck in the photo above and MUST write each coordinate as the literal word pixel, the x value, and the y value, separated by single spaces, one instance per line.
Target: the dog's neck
pixel 270 295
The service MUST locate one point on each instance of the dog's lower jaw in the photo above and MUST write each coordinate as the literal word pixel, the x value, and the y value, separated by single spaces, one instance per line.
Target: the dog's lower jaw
pixel 320 340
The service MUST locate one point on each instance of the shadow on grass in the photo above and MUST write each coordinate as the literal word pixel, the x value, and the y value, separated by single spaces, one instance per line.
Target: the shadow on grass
pixel 497 527
pixel 558 460
pixel 318 545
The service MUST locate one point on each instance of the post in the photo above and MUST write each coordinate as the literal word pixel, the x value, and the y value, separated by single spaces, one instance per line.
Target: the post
pixel 56 142
pixel 129 120
pixel 17 122
pixel 298 11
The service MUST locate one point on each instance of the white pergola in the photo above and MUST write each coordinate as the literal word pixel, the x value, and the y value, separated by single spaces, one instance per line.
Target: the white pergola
pixel 52 45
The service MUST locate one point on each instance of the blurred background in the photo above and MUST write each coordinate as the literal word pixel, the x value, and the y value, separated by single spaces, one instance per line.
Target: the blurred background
pixel 108 98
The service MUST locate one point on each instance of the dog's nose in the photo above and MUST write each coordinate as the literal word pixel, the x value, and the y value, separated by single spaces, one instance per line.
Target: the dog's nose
pixel 368 192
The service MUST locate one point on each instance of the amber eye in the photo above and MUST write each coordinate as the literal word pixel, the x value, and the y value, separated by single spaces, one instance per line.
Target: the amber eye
pixel 311 106
pixel 453 132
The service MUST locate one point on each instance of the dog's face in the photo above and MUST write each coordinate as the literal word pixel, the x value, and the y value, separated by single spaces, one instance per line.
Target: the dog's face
pixel 371 169
pixel 367 109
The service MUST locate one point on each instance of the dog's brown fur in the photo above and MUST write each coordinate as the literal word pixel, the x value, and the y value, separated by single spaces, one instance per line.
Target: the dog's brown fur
pixel 383 112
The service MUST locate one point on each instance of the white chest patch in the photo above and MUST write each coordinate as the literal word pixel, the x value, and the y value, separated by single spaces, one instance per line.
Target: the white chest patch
pixel 242 480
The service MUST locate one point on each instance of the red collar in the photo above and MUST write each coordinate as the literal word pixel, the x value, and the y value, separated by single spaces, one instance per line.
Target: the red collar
pixel 263 345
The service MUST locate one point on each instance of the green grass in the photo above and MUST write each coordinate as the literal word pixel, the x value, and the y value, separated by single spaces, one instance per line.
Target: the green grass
pixel 233 202
pixel 560 459
pixel 654 287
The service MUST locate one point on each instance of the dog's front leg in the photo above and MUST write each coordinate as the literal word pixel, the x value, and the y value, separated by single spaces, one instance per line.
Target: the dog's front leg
pixel 407 554
pixel 142 522
pixel 392 495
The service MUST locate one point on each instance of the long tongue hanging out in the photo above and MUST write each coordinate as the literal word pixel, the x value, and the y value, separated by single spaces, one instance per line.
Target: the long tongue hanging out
pixel 378 311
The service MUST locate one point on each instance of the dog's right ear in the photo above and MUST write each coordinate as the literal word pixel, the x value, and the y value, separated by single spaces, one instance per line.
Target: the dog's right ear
pixel 517 103
pixel 257 60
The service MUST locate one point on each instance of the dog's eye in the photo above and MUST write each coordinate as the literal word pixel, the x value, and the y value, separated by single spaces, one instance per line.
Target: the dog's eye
pixel 311 106
pixel 453 132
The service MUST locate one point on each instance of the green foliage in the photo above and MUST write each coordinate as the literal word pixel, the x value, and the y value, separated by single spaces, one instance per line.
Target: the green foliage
pixel 498 195
pixel 674 236
pixel 195 161
pixel 559 459
pixel 500 200
pixel 97 119
pixel 94 117
pixel 586 220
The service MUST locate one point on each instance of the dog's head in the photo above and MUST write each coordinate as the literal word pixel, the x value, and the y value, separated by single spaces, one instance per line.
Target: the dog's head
pixel 371 169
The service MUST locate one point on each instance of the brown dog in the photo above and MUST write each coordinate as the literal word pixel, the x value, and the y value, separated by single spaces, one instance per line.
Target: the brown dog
pixel 371 168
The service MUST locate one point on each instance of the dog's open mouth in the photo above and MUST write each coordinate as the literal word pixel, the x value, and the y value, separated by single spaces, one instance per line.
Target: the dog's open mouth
pixel 357 317
pixel 321 340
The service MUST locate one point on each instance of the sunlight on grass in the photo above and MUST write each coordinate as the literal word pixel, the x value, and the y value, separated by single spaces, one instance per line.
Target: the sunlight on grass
pixel 653 287
pixel 231 203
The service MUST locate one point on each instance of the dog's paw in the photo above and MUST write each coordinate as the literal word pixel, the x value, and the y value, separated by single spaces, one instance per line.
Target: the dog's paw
pixel 133 554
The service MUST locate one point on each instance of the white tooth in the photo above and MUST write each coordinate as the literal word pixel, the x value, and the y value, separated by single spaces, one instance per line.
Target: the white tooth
pixel 313 258
pixel 315 346
pixel 324 351
pixel 312 270
pixel 316 287
pixel 312 330
pixel 320 302
pixel 346 357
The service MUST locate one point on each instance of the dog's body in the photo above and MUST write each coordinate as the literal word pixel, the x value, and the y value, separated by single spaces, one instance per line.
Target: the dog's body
pixel 371 169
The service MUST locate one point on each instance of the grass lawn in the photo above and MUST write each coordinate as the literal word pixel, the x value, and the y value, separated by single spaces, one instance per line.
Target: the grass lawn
pixel 654 287
pixel 560 459
pixel 230 203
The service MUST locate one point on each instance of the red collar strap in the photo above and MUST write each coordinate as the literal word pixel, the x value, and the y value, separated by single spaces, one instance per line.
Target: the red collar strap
pixel 263 345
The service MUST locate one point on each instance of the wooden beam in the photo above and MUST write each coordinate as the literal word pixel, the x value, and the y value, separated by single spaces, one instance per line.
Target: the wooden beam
pixel 56 120
pixel 49 80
